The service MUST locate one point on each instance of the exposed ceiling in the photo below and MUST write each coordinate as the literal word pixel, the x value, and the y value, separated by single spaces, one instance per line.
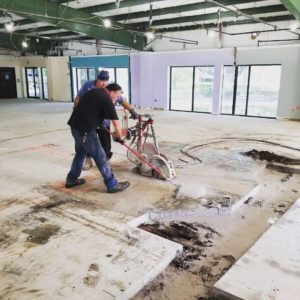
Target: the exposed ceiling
pixel 48 22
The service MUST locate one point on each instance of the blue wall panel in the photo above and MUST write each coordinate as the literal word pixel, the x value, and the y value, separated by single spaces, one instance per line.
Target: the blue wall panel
pixel 105 61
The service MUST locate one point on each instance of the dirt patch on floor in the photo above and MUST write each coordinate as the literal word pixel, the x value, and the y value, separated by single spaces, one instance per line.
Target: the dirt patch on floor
pixel 283 169
pixel 271 157
pixel 196 238
pixel 92 277
pixel 41 234
pixel 55 200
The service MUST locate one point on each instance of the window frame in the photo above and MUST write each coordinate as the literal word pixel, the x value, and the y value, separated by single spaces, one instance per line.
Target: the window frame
pixel 248 90
pixel 193 88
pixel 96 71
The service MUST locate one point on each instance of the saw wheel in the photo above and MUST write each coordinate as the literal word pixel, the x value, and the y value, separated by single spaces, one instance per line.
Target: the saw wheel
pixel 149 149
pixel 162 164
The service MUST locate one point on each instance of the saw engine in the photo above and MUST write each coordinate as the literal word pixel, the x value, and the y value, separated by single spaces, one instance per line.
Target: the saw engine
pixel 144 151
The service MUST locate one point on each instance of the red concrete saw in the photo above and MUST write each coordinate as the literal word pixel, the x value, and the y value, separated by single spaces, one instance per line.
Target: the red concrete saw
pixel 145 153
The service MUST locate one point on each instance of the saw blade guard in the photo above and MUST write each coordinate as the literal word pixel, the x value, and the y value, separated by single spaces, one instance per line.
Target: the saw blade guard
pixel 164 165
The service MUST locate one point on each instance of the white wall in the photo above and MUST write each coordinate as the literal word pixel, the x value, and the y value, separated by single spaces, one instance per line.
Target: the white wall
pixel 58 74
pixel 59 79
pixel 206 41
pixel 150 73
pixel 289 58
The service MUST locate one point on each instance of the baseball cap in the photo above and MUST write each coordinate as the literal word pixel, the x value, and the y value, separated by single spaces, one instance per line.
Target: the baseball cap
pixel 103 75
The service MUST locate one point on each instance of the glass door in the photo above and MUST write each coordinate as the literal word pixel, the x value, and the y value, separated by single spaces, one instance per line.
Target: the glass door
pixel 82 77
pixel 264 91
pixel 181 88
pixel 45 83
pixel 203 89
pixel 251 90
pixel 32 82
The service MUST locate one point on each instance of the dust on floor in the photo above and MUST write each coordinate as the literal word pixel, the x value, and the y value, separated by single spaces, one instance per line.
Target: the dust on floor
pixel 212 244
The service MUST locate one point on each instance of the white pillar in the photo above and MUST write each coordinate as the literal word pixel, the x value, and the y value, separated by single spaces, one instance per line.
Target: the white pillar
pixel 217 90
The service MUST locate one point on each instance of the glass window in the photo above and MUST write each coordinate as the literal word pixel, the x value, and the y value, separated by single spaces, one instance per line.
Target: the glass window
pixel 241 91
pixel 203 89
pixel 264 89
pixel 30 82
pixel 45 83
pixel 227 90
pixel 82 77
pixel 257 89
pixel 181 88
pixel 123 80
pixel 36 82
pixel 32 79
pixel 92 74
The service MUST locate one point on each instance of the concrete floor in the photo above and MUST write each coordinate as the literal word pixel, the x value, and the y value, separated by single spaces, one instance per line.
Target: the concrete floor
pixel 36 151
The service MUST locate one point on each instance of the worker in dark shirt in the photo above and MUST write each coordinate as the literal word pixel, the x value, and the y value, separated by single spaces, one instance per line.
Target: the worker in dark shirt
pixel 95 106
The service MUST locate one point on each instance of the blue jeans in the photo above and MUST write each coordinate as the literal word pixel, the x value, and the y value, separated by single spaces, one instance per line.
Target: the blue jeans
pixel 90 144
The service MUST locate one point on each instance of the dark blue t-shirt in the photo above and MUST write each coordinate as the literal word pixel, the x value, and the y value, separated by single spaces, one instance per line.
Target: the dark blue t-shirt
pixel 93 107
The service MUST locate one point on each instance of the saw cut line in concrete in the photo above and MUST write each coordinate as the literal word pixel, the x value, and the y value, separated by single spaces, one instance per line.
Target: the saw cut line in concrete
pixel 277 257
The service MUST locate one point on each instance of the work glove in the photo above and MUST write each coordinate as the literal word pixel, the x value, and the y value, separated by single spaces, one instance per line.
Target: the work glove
pixel 117 139
pixel 134 114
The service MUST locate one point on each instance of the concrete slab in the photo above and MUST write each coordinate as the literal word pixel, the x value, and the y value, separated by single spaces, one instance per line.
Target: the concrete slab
pixel 270 268
pixel 184 195
pixel 36 150
pixel 52 251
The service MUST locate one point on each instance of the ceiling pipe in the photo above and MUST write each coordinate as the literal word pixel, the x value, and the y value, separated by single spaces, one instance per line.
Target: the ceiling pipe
pixel 275 41
pixel 258 31
pixel 251 17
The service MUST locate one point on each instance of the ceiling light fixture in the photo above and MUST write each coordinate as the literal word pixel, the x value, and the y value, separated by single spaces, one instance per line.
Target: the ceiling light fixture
pixel 107 22
pixel 25 44
pixel 294 26
pixel 150 35
pixel 10 26
pixel 254 35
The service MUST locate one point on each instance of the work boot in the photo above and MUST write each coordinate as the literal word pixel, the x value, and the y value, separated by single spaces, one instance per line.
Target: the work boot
pixel 121 186
pixel 71 183
pixel 87 164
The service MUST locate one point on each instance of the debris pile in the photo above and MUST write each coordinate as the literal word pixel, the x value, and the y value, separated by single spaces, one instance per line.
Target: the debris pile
pixel 271 157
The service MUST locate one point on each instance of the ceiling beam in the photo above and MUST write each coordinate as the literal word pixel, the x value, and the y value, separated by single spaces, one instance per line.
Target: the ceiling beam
pixel 112 6
pixel 293 6
pixel 176 9
pixel 14 42
pixel 61 34
pixel 36 30
pixel 98 8
pixel 224 24
pixel 18 23
pixel 156 12
pixel 73 20
pixel 59 1
pixel 199 26
pixel 206 17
